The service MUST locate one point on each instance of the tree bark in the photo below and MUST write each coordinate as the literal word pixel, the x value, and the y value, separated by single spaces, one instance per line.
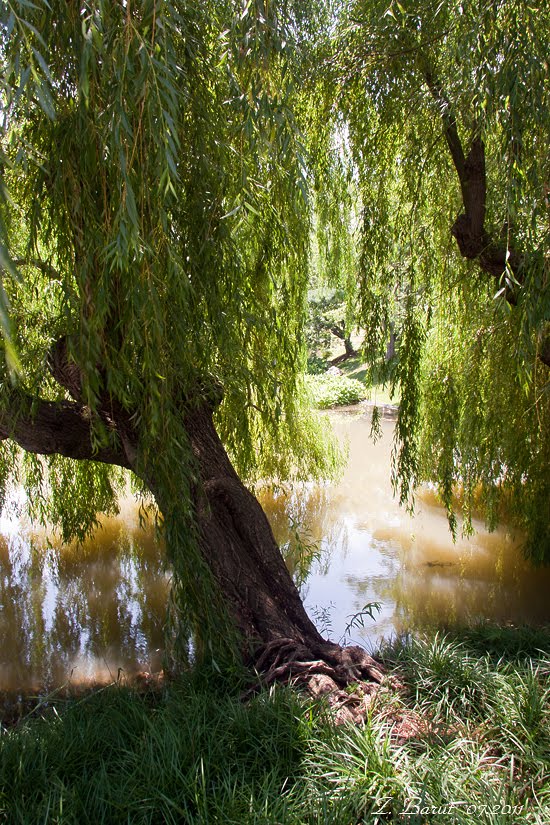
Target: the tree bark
pixel 55 427
pixel 238 545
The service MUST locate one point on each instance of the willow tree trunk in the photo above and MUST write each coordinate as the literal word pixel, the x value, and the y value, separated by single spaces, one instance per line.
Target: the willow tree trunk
pixel 239 548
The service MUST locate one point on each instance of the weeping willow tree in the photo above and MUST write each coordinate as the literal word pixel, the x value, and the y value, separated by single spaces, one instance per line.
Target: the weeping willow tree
pixel 446 108
pixel 155 234
pixel 156 165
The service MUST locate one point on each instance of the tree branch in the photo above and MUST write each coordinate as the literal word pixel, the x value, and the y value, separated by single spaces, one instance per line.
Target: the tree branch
pixel 43 266
pixel 55 427
pixel 449 123
pixel 338 331
pixel 468 230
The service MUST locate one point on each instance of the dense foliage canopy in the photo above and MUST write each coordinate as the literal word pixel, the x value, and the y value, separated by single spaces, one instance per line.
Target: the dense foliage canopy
pixel 158 212
pixel 161 166
pixel 446 108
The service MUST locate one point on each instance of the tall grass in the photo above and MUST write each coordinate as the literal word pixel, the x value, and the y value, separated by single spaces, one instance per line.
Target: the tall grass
pixel 464 739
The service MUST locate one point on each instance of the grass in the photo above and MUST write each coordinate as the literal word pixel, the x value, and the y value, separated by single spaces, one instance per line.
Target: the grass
pixel 463 738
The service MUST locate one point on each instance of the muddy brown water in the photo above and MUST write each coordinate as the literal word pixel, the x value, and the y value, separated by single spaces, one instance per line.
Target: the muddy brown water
pixel 89 615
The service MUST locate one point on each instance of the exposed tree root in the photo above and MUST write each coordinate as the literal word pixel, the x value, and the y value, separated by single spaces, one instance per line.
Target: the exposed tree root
pixel 327 671
pixel 346 707
pixel 286 658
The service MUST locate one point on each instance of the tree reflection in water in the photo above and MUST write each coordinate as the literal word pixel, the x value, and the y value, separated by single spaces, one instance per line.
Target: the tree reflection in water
pixel 94 609
pixel 80 612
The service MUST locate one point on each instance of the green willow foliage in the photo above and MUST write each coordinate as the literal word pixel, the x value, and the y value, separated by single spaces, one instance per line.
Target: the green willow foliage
pixel 156 174
pixel 475 411
pixel 155 205
pixel 159 163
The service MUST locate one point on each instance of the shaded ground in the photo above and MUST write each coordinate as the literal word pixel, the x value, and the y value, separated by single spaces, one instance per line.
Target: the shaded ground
pixel 460 734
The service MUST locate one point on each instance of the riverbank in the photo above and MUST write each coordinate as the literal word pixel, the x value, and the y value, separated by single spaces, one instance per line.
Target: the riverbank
pixel 463 738
pixel 348 383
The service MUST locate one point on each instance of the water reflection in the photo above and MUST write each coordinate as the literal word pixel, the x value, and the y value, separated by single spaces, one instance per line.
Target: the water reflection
pixel 89 611
pixel 80 613
pixel 368 549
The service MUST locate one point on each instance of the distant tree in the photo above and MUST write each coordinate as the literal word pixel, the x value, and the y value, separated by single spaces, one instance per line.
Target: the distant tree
pixel 328 316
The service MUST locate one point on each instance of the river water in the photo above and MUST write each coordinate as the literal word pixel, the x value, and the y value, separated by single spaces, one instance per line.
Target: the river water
pixel 90 614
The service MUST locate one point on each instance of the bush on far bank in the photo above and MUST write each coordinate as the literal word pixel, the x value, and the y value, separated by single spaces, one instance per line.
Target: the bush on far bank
pixel 329 390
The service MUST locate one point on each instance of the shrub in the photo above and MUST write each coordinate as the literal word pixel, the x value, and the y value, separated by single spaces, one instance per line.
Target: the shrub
pixel 316 365
pixel 334 390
